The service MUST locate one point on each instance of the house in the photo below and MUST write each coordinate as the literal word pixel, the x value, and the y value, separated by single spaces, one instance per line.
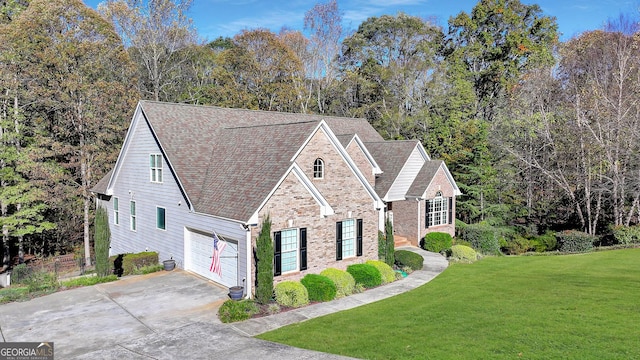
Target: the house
pixel 186 172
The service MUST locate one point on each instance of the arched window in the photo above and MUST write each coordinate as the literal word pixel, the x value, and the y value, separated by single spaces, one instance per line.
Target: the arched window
pixel 438 211
pixel 318 169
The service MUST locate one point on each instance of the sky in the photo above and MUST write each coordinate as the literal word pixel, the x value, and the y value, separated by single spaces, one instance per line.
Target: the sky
pixel 214 18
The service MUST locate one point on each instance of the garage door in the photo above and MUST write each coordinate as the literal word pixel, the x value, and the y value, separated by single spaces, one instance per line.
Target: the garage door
pixel 200 256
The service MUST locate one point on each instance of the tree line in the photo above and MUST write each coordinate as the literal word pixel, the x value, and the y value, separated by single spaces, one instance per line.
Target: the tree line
pixel 539 133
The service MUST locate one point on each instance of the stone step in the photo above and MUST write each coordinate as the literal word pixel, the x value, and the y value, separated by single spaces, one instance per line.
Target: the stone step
pixel 399 241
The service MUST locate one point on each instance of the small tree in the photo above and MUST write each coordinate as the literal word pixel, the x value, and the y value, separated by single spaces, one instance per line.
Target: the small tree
pixel 264 263
pixel 389 258
pixel 101 241
pixel 382 246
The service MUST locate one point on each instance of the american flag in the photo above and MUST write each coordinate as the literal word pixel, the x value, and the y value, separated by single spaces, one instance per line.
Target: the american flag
pixel 218 247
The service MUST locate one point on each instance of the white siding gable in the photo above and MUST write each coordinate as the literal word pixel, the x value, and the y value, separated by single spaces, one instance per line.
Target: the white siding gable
pixel 407 175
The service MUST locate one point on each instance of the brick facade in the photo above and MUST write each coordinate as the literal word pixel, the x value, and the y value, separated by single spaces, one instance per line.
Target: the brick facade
pixel 407 222
pixel 292 206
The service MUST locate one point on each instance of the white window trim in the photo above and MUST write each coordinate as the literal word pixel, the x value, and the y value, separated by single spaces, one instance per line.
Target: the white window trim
pixel 443 212
pixel 133 217
pixel 318 163
pixel 353 239
pixel 165 218
pixel 158 170
pixel 296 251
pixel 116 211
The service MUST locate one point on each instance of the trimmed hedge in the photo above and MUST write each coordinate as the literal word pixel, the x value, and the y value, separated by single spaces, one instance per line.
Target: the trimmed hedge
pixel 386 272
pixel 365 274
pixel 344 282
pixel 626 234
pixel 409 259
pixel 232 310
pixel 483 238
pixel 575 241
pixel 463 253
pixel 131 263
pixel 319 288
pixel 436 242
pixel 291 293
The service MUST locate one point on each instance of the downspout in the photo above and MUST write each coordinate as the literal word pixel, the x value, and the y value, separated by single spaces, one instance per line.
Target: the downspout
pixel 418 201
pixel 248 282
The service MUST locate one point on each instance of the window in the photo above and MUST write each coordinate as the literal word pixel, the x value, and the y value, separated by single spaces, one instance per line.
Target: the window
pixel 318 169
pixel 160 218
pixel 132 212
pixel 155 166
pixel 348 238
pixel 438 211
pixel 290 250
pixel 116 211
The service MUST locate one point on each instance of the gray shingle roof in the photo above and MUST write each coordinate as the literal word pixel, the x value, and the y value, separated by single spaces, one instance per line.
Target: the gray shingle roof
pixel 391 157
pixel 229 159
pixel 424 178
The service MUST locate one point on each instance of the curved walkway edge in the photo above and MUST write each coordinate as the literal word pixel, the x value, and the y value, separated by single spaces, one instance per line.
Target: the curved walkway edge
pixel 434 264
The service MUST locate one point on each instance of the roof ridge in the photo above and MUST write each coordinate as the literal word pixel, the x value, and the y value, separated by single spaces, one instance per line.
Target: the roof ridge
pixel 268 125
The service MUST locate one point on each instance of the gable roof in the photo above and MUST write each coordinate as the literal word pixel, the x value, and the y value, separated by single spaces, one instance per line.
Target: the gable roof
pixel 425 178
pixel 227 161
pixel 391 157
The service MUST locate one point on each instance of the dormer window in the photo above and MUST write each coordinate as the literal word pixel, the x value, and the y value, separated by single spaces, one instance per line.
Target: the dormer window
pixel 318 169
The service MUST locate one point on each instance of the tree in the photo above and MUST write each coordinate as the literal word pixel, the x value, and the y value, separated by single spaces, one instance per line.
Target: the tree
pixel 101 241
pixel 76 71
pixel 324 21
pixel 497 42
pixel 390 257
pixel 264 263
pixel 391 59
pixel 157 33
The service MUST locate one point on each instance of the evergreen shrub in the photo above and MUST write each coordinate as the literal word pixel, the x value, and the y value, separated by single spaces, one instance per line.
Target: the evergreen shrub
pixel 436 242
pixel 319 288
pixel 291 294
pixel 386 271
pixel 344 282
pixel 626 234
pixel 232 310
pixel 405 258
pixel 264 266
pixel 463 253
pixel 482 237
pixel 365 274
pixel 575 241
pixel 544 242
pixel 133 262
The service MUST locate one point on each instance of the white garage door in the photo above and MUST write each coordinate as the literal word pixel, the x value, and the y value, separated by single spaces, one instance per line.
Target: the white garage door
pixel 200 256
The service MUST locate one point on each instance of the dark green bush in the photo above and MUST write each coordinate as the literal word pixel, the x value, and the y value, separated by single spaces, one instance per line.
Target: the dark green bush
pixel 436 242
pixel 344 282
pixel 626 234
pixel 132 262
pixel 232 311
pixel 365 274
pixel 320 288
pixel 291 293
pixel 483 238
pixel 409 259
pixel 575 241
pixel 386 271
pixel 544 242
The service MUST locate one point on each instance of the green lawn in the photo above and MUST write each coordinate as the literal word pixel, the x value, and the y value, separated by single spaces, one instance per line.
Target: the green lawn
pixel 543 307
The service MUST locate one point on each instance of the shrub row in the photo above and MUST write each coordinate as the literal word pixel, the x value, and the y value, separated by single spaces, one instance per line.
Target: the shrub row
pixel 482 237
pixel 139 263
pixel 575 241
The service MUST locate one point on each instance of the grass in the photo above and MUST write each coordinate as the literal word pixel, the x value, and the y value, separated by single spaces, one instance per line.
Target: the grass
pixel 571 307
pixel 87 281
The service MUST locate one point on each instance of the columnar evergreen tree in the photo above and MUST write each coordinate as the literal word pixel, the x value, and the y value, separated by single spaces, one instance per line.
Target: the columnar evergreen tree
pixel 264 263
pixel 390 257
pixel 101 241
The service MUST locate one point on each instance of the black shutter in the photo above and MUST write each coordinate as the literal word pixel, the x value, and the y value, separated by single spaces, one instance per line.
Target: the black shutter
pixel 277 249
pixel 303 249
pixel 339 240
pixel 427 213
pixel 359 238
pixel 450 210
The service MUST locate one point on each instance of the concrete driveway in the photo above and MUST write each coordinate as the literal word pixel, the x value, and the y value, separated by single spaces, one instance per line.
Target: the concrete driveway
pixel 165 315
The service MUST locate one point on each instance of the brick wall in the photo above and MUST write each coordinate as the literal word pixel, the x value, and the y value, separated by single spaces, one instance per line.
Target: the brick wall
pixel 345 194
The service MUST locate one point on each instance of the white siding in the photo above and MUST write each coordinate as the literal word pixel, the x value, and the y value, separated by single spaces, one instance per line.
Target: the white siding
pixel 406 176
pixel 132 182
